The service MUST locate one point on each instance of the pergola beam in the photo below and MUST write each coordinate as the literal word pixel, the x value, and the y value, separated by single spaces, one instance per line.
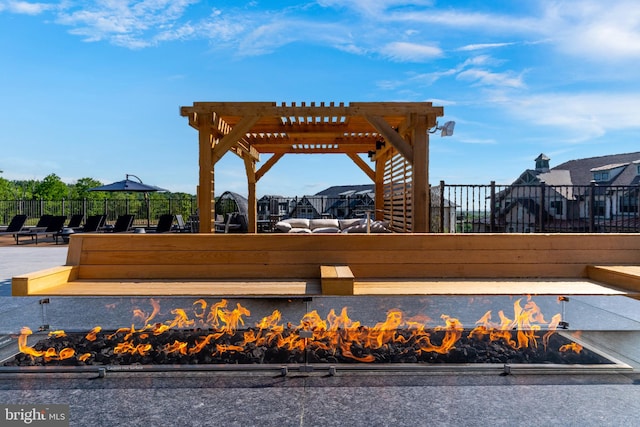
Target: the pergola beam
pixel 392 136
pixel 362 165
pixel 268 165
pixel 230 139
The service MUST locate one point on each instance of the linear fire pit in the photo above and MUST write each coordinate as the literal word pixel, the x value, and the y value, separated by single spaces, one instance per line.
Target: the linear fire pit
pixel 218 336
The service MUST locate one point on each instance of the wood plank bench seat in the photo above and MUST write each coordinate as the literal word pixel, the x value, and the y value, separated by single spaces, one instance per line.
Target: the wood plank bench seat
pixel 380 264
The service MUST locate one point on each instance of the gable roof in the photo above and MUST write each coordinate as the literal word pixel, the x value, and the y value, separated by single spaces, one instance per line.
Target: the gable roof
pixel 337 190
pixel 580 170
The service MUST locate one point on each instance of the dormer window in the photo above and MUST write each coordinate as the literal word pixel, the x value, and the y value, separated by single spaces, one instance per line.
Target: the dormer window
pixel 601 176
pixel 637 169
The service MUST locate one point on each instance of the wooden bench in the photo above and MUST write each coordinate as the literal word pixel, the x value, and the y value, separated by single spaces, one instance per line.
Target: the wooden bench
pixel 341 264
pixel 336 280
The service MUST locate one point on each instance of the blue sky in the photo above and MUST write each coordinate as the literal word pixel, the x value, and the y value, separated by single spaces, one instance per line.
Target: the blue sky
pixel 93 89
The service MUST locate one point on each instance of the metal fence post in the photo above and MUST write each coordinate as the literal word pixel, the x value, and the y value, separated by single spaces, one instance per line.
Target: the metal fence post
pixel 492 208
pixel 592 205
pixel 542 206
pixel 442 208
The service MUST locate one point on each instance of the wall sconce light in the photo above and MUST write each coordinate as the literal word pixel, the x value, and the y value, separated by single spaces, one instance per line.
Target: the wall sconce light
pixel 447 128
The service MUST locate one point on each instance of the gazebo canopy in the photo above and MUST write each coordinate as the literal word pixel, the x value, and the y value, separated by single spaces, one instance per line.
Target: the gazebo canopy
pixel 381 130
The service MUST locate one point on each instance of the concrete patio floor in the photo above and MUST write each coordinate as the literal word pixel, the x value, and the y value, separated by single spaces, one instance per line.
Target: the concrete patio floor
pixel 316 399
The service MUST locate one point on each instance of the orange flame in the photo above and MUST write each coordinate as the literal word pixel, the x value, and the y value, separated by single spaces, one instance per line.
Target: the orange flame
pixel 49 354
pixel 92 335
pixel 574 346
pixel 333 334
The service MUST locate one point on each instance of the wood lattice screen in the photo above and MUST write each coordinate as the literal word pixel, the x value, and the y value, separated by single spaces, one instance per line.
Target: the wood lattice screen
pixel 398 178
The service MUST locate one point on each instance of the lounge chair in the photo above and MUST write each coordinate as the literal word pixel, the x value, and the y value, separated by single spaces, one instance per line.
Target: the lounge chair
pixel 16 225
pixel 55 224
pixel 232 223
pixel 43 222
pixel 91 225
pixel 123 224
pixel 75 222
pixel 181 226
pixel 165 222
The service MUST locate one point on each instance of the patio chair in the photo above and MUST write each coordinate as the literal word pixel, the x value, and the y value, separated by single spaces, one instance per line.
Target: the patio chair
pixel 91 225
pixel 181 226
pixel 233 223
pixel 123 224
pixel 15 225
pixel 75 221
pixel 165 222
pixel 43 222
pixel 55 224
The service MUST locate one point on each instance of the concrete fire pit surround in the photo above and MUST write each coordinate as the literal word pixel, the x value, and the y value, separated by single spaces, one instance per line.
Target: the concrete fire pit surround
pixel 316 399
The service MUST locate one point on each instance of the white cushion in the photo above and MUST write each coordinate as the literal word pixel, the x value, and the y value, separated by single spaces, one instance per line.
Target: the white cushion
pixel 297 222
pixel 375 227
pixel 323 223
pixel 326 230
pixel 299 230
pixel 379 227
pixel 345 223
pixel 283 226
pixel 357 228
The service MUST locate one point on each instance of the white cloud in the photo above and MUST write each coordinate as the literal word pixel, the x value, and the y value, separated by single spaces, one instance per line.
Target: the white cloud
pixel 465 20
pixel 403 51
pixel 26 8
pixel 598 30
pixel 373 7
pixel 483 46
pixel 488 78
pixel 477 141
pixel 132 25
pixel 580 116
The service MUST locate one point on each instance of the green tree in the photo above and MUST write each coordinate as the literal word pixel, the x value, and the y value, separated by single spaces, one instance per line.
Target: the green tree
pixel 80 190
pixel 51 188
pixel 25 189
pixel 6 187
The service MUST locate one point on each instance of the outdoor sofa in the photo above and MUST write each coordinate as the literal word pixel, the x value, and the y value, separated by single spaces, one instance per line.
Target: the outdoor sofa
pixel 329 225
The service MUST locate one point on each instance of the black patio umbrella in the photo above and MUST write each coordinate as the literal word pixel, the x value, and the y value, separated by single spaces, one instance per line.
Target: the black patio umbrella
pixel 129 186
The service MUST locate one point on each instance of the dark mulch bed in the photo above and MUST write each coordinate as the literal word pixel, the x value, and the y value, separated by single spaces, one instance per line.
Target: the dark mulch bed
pixel 215 347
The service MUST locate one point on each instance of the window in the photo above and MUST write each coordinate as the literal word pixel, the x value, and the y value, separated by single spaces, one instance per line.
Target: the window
pixel 601 176
pixel 599 208
pixel 557 205
pixel 628 203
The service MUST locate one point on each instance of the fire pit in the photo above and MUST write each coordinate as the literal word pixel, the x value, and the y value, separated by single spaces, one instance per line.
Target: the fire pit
pixel 220 334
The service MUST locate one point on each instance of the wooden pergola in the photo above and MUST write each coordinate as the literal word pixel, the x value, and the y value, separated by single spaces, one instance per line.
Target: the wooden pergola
pixel 394 135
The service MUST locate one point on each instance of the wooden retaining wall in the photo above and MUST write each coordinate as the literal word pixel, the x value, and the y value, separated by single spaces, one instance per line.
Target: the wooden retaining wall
pixel 167 264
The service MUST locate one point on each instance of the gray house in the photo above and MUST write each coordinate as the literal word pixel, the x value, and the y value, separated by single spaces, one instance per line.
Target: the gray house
pixel 576 195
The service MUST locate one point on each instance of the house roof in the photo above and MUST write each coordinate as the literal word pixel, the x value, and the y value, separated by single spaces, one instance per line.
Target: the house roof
pixel 556 177
pixel 337 190
pixel 580 169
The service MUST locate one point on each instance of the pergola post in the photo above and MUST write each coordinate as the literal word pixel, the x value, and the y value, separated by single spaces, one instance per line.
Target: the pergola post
pixel 206 186
pixel 250 167
pixel 379 188
pixel 421 192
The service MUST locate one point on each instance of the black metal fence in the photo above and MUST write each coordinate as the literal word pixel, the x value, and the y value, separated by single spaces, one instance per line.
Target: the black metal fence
pixel 538 208
pixel 464 208
pixel 145 210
